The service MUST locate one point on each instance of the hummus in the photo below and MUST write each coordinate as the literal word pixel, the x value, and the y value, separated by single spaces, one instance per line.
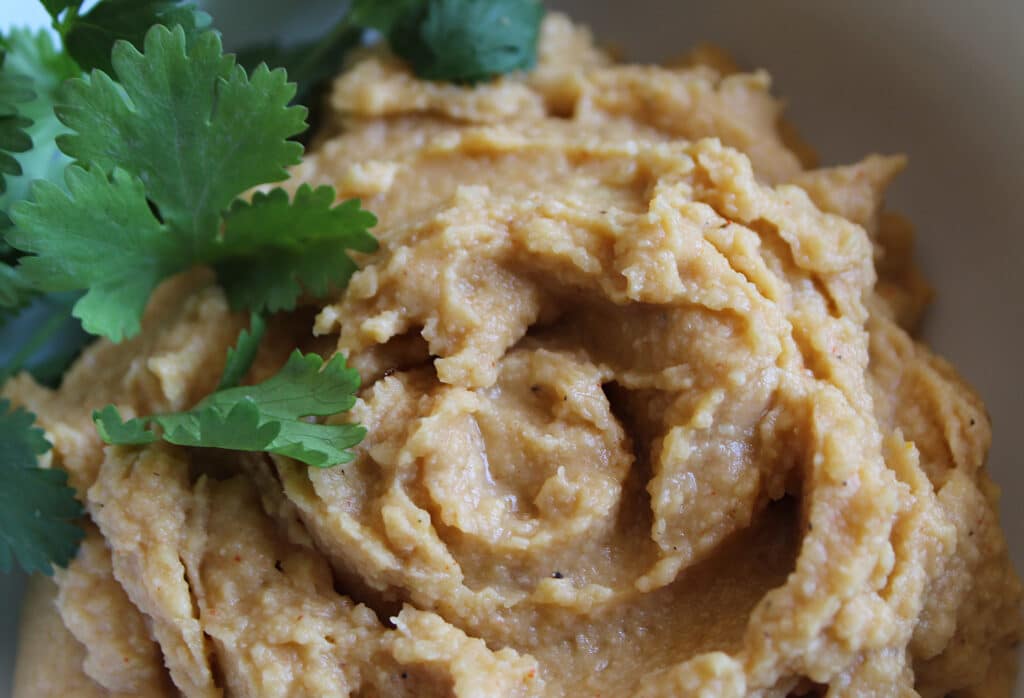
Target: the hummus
pixel 644 419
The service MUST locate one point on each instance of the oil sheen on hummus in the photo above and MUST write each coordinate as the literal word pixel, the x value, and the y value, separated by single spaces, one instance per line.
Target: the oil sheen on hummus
pixel 644 419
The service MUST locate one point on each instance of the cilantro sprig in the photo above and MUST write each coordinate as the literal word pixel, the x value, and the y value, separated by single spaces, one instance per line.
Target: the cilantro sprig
pixel 140 169
pixel 158 164
pixel 270 416
pixel 37 508
pixel 33 60
pixel 466 41
pixel 166 136
pixel 463 41
pixel 241 356
pixel 37 330
pixel 15 90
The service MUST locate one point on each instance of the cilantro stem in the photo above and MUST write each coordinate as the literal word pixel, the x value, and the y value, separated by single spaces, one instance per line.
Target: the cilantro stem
pixel 63 25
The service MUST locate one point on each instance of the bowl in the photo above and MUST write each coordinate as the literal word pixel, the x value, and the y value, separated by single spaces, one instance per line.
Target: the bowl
pixel 941 83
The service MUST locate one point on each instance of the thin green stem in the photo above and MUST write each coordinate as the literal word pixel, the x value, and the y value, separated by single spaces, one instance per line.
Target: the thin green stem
pixel 64 24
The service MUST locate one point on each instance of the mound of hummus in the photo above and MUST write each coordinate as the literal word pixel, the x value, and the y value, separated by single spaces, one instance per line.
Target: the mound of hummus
pixel 644 418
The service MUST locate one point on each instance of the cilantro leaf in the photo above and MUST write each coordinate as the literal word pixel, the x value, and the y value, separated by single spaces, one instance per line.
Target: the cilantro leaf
pixel 188 122
pixel 91 36
pixel 464 41
pixel 240 356
pixel 32 57
pixel 165 160
pixel 41 338
pixel 237 427
pixel 23 442
pixel 102 236
pixel 37 508
pixel 268 417
pixel 303 387
pixel 113 430
pixel 15 90
pixel 263 269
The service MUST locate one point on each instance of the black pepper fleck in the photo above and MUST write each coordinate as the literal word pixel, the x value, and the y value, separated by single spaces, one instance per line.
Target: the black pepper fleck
pixel 405 675
pixel 558 575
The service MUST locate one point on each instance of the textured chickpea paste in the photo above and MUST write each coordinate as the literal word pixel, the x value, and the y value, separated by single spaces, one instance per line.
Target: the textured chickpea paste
pixel 644 419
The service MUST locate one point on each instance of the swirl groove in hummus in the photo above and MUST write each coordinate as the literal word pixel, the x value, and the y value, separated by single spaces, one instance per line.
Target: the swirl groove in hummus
pixel 644 419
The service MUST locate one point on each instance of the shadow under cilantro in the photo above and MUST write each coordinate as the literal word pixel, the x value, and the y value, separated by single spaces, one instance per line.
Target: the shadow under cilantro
pixel 41 338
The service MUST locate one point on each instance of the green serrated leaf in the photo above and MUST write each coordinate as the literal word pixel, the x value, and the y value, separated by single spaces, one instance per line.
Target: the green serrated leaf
pixel 37 513
pixel 33 54
pixel 37 508
pixel 240 427
pixel 113 430
pixel 22 440
pixel 241 356
pixel 32 338
pixel 32 59
pixel 15 91
pixel 304 387
pixel 468 41
pixel 92 36
pixel 100 236
pixel 163 158
pixel 319 445
pixel 267 417
pixel 189 123
pixel 263 268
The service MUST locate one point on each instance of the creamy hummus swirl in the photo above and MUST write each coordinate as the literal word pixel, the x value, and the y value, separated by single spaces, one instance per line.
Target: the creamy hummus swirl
pixel 644 419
